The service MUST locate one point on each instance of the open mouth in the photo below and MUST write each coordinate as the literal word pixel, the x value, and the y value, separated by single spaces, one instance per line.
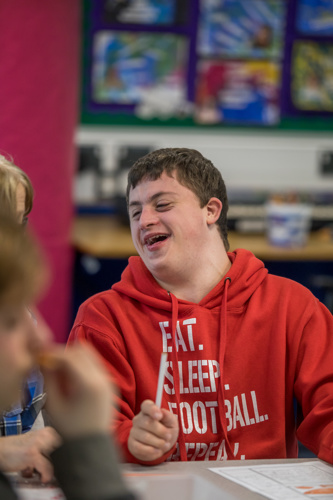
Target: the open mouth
pixel 157 238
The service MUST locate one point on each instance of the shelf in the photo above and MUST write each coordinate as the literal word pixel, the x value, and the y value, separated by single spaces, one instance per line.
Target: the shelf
pixel 105 237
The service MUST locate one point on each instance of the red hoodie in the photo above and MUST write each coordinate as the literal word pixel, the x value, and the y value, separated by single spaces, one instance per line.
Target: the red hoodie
pixel 236 360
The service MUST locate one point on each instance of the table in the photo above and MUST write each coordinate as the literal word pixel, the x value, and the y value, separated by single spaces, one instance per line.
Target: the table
pixel 105 237
pixel 186 481
pixel 193 480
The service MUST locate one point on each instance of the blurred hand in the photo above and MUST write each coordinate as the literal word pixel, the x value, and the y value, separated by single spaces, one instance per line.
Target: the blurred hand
pixel 154 432
pixel 29 451
pixel 80 394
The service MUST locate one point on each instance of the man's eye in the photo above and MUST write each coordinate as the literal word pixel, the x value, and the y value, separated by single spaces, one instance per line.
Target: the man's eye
pixel 163 206
pixel 135 215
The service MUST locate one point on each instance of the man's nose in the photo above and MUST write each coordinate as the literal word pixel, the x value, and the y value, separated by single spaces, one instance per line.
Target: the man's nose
pixel 148 217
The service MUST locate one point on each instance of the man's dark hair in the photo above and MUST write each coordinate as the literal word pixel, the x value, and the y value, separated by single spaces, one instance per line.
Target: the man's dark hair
pixel 193 171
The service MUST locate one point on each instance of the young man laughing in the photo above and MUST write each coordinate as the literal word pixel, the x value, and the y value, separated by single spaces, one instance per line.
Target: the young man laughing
pixel 242 344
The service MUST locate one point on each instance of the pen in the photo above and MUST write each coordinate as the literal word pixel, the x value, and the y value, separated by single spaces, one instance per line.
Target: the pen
pixel 161 373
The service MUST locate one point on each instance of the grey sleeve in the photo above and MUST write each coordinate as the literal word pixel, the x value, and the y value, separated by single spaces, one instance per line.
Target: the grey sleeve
pixel 6 489
pixel 87 469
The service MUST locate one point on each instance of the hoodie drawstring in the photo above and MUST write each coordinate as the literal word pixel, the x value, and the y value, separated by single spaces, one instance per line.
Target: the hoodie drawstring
pixel 175 369
pixel 223 340
pixel 176 380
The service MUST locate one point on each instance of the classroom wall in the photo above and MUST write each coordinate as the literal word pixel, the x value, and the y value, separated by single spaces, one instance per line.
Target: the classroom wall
pixel 39 94
pixel 268 160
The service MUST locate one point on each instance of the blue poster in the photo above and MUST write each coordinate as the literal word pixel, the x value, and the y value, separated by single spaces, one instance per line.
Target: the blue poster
pixel 241 28
pixel 147 70
pixel 315 17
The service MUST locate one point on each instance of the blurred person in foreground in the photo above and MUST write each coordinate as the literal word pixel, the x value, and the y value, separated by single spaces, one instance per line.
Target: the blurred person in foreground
pixel 80 396
pixel 242 344
pixel 21 450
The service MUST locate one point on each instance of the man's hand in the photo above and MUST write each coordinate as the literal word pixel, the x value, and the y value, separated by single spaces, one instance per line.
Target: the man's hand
pixel 29 451
pixel 154 432
pixel 80 394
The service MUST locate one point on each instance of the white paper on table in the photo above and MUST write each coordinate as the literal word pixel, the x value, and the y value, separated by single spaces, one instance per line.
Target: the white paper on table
pixel 312 480
pixel 39 493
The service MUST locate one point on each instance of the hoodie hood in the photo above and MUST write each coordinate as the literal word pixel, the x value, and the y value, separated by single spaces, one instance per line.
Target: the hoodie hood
pixel 246 275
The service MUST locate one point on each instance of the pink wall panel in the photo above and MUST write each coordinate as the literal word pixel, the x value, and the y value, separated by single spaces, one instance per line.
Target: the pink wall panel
pixel 39 82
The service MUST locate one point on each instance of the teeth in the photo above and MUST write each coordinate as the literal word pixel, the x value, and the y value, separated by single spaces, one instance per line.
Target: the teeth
pixel 154 239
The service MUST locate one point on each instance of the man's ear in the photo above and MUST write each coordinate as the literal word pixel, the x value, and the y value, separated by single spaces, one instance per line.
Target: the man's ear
pixel 213 210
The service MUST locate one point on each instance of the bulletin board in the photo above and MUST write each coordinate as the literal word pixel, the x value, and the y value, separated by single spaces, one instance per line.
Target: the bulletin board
pixel 208 63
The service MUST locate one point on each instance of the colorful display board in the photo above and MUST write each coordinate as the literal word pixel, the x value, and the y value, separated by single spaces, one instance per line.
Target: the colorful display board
pixel 207 62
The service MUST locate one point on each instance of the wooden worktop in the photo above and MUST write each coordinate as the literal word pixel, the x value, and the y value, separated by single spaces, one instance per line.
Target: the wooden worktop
pixel 104 237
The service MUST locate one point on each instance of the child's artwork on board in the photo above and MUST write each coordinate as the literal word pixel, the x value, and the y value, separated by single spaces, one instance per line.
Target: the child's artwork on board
pixel 312 76
pixel 147 70
pixel 161 12
pixel 315 17
pixel 238 92
pixel 241 28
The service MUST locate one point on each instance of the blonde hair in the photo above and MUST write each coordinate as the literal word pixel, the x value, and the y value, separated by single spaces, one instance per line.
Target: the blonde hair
pixel 22 267
pixel 10 177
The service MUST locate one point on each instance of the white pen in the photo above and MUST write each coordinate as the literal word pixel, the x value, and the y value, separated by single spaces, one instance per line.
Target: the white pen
pixel 161 373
